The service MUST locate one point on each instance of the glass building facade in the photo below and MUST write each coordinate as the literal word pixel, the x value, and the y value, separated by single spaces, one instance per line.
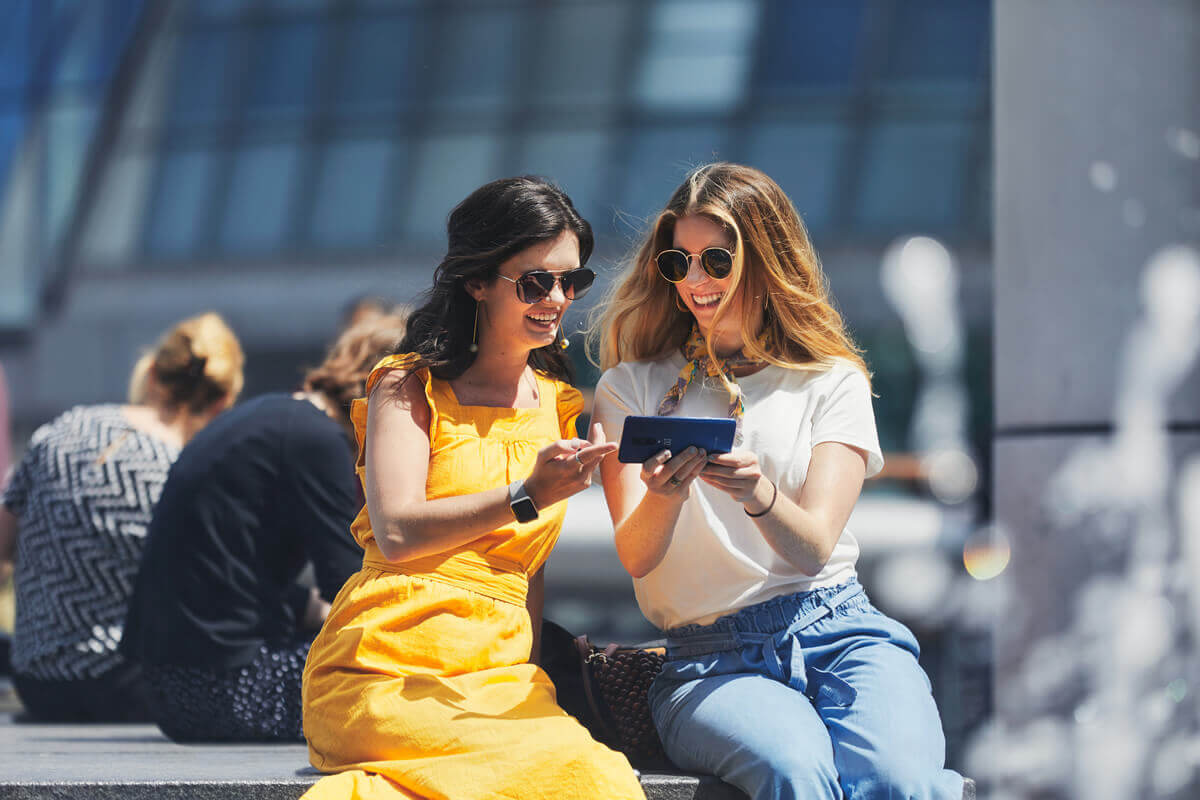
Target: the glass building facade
pixel 249 138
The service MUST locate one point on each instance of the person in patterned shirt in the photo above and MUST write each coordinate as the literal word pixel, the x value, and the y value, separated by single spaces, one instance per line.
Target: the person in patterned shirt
pixel 75 512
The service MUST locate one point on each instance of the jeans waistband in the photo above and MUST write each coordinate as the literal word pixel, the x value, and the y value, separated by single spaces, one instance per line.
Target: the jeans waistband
pixel 778 617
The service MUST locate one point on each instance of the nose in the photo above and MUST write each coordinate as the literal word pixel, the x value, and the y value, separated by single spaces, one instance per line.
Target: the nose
pixel 557 295
pixel 695 273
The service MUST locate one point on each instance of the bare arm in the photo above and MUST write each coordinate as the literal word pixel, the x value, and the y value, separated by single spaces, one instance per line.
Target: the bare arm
pixel 405 523
pixel 8 539
pixel 316 611
pixel 644 504
pixel 803 531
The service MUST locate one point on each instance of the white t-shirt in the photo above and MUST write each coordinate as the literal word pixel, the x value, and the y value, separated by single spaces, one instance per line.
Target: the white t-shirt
pixel 718 560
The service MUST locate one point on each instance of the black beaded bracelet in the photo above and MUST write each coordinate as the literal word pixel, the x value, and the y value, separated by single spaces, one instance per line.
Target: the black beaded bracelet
pixel 770 505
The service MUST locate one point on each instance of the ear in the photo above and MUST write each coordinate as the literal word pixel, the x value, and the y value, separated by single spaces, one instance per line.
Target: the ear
pixel 474 287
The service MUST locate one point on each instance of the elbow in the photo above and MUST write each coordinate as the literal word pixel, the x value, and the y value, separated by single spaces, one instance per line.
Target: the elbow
pixel 808 551
pixel 809 570
pixel 637 571
pixel 401 544
pixel 393 549
pixel 391 546
pixel 637 556
pixel 818 555
pixel 635 566
pixel 396 538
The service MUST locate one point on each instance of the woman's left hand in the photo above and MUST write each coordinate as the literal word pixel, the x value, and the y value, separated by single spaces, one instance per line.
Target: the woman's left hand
pixel 738 474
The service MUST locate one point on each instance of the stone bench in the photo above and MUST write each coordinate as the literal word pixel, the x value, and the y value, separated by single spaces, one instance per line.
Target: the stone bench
pixel 136 762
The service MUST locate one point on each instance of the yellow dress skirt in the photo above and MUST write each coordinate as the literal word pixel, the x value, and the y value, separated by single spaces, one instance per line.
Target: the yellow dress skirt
pixel 418 685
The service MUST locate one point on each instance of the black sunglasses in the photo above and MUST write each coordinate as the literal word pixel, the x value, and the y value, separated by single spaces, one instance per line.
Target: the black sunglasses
pixel 537 284
pixel 674 264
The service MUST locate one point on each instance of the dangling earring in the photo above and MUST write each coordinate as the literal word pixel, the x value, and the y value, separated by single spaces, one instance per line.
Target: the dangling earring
pixel 474 348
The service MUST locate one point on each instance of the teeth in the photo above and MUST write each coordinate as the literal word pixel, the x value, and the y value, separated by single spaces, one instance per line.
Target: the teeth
pixel 707 299
pixel 543 318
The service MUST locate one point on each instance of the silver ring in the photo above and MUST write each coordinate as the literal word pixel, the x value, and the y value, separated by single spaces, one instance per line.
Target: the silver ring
pixel 674 481
pixel 578 459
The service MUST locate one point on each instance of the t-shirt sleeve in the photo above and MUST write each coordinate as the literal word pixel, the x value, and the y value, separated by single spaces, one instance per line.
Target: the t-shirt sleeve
pixel 323 499
pixel 616 398
pixel 845 415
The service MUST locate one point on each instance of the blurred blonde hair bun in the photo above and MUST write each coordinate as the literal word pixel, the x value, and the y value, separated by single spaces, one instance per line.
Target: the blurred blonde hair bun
pixel 194 364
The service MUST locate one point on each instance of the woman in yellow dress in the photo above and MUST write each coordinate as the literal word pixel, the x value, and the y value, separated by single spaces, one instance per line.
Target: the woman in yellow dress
pixel 420 684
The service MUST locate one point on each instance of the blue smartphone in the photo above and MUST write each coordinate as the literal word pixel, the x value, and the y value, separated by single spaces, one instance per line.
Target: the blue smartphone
pixel 642 437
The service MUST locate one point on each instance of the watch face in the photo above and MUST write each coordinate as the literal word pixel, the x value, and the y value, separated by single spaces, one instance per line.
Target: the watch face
pixel 524 509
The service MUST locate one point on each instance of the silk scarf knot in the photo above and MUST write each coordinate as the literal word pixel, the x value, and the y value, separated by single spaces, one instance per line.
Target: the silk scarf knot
pixel 698 364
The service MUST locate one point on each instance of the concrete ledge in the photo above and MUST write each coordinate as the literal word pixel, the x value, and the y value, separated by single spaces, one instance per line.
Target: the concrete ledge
pixel 136 762
pixel 658 787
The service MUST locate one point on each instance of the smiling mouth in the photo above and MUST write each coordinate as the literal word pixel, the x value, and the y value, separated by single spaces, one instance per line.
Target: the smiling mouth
pixel 546 321
pixel 707 301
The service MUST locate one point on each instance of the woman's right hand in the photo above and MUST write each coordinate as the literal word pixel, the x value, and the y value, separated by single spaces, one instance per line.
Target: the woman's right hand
pixel 672 476
pixel 565 467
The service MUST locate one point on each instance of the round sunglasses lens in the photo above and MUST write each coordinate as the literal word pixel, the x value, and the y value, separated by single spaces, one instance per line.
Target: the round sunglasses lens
pixel 673 265
pixel 717 262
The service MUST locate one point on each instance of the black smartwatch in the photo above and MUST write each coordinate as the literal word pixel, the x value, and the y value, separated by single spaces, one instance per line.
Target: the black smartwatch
pixel 521 503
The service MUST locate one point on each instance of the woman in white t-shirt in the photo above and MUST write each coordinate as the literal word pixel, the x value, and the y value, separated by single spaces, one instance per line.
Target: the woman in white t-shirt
pixel 781 677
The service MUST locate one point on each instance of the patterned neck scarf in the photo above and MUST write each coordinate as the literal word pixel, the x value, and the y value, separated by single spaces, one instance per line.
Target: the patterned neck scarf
pixel 699 364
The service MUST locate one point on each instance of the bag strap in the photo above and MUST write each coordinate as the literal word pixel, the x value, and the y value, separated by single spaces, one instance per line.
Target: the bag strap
pixel 587 653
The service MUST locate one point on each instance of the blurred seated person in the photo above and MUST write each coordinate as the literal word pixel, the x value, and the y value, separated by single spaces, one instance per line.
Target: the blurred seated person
pixel 363 307
pixel 221 620
pixel 74 518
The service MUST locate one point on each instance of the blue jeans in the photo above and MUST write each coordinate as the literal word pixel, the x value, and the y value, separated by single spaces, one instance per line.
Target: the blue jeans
pixel 810 695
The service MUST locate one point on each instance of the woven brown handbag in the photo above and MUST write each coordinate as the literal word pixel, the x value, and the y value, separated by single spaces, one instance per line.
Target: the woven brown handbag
pixel 616 680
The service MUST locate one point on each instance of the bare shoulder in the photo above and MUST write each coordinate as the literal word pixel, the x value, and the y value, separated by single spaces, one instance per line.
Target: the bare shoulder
pixel 403 390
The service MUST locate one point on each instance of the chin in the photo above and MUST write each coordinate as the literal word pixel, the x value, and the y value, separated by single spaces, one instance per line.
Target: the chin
pixel 541 341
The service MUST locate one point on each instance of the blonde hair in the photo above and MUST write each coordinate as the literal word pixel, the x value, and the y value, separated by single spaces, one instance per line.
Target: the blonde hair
pixel 342 377
pixel 773 260
pixel 194 364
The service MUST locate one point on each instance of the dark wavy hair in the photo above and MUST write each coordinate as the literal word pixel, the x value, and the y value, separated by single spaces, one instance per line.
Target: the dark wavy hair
pixel 495 222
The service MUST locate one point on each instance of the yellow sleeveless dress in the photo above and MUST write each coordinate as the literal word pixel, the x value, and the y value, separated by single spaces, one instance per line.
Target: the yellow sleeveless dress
pixel 418 685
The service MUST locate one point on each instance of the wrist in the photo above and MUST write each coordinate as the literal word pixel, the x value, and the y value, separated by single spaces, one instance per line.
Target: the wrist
pixel 762 499
pixel 667 501
pixel 535 492
pixel 759 494
pixel 317 610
